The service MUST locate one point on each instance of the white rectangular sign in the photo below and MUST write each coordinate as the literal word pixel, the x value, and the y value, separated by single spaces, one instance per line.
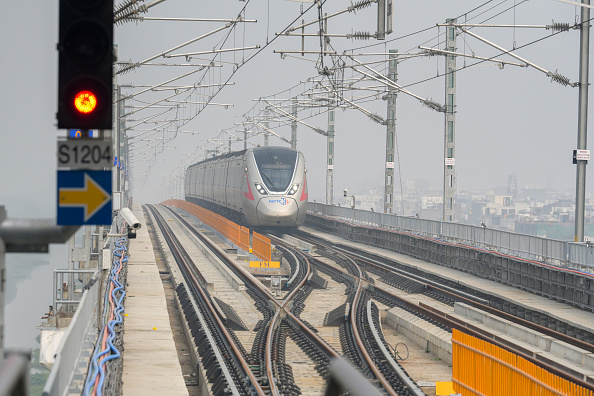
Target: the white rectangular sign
pixel 330 167
pixel 84 154
pixel 389 165
pixel 450 161
pixel 106 259
pixel 582 155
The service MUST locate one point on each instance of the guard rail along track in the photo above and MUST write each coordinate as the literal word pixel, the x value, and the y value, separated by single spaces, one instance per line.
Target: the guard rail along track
pixel 555 278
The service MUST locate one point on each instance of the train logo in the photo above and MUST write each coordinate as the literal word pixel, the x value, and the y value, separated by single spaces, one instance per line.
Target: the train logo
pixel 282 201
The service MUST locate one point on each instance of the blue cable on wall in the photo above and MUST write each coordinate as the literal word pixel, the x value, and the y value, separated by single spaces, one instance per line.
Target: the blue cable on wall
pixel 96 374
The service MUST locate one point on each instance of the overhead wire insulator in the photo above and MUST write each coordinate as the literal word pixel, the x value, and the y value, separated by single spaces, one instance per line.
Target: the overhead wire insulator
pixel 125 6
pixel 360 36
pixel 428 52
pixel 377 118
pixel 434 105
pixel 559 26
pixel 125 67
pixel 556 77
pixel 130 14
pixel 359 5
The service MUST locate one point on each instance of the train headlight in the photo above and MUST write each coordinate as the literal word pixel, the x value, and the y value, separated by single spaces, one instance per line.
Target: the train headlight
pixel 260 189
pixel 294 189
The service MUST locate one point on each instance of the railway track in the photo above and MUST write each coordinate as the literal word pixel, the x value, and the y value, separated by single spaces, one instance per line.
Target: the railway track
pixel 389 274
pixel 227 366
pixel 266 368
pixel 281 322
pixel 263 371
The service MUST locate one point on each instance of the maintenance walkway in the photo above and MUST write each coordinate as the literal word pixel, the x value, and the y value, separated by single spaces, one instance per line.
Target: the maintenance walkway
pixel 151 365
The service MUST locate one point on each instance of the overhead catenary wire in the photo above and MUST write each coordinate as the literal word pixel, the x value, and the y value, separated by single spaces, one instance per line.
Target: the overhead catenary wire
pixel 194 113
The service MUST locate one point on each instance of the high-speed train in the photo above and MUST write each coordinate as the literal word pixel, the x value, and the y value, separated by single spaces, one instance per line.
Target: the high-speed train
pixel 258 187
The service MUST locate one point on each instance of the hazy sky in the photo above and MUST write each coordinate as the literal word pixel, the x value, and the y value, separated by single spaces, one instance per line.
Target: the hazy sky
pixel 510 120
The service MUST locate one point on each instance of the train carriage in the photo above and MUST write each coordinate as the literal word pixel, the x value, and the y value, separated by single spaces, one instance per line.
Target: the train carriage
pixel 258 187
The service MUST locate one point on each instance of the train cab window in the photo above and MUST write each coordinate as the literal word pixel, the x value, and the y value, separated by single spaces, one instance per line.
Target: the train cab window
pixel 276 166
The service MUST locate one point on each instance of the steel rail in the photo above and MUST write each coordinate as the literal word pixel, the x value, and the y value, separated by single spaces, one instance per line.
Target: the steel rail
pixel 464 297
pixel 214 313
pixel 361 346
pixel 248 279
pixel 355 306
pixel 275 321
pixel 453 323
pixel 474 301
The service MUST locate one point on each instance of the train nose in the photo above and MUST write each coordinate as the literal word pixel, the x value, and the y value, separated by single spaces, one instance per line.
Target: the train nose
pixel 277 211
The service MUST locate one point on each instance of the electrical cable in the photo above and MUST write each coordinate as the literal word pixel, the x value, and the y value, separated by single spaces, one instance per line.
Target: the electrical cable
pixel 113 309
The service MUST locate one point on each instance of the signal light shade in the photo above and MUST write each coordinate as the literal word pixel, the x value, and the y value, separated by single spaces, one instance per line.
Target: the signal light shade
pixel 85 102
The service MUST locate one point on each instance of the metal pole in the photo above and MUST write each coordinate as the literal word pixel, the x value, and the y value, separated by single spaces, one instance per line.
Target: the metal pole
pixel 580 194
pixel 390 136
pixel 245 138
pixel 449 167
pixel 121 147
pixel 120 111
pixel 330 152
pixel 2 289
pixel 266 115
pixel 381 20
pixel 294 124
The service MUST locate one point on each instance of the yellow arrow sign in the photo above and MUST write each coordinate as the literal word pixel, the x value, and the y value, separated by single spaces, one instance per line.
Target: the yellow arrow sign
pixel 91 197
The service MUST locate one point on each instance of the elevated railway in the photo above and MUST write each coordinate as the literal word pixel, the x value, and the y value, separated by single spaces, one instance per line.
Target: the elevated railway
pixel 376 308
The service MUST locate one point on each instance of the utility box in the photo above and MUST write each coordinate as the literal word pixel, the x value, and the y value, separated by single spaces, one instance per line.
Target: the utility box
pixel 106 259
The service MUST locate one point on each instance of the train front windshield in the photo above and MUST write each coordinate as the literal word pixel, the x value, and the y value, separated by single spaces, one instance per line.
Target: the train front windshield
pixel 276 166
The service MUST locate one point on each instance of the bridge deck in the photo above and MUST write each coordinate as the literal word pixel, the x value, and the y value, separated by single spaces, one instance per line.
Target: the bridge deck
pixel 151 365
pixel 575 316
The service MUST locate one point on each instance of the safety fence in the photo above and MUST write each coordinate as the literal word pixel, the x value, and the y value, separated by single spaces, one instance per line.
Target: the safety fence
pixel 481 368
pixel 238 235
pixel 578 256
pixel 244 238
pixel 261 246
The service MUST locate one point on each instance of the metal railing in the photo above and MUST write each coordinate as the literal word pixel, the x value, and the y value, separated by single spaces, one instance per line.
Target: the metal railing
pixel 577 256
pixel 71 344
pixel 69 288
pixel 80 330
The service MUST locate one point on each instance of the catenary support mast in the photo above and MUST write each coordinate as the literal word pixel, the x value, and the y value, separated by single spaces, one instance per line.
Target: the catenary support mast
pixel 294 124
pixel 330 152
pixel 580 193
pixel 449 168
pixel 390 136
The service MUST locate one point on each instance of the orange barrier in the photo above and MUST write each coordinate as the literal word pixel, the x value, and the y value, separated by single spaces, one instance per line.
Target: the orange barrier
pixel 261 246
pixel 244 238
pixel 481 368
pixel 239 235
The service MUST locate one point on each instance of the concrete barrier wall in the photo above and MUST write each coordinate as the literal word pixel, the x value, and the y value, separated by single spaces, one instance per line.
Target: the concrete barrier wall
pixel 421 332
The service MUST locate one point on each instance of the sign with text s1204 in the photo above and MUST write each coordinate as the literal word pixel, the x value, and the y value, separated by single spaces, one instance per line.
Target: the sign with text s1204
pixel 84 154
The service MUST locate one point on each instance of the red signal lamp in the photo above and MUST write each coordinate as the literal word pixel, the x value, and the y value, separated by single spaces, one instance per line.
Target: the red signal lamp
pixel 85 102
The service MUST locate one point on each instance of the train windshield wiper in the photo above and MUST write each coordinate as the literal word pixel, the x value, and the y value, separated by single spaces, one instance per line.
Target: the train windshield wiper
pixel 270 184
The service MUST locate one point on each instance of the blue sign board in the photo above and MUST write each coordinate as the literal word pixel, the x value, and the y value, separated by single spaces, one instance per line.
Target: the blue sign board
pixel 84 197
pixel 77 133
